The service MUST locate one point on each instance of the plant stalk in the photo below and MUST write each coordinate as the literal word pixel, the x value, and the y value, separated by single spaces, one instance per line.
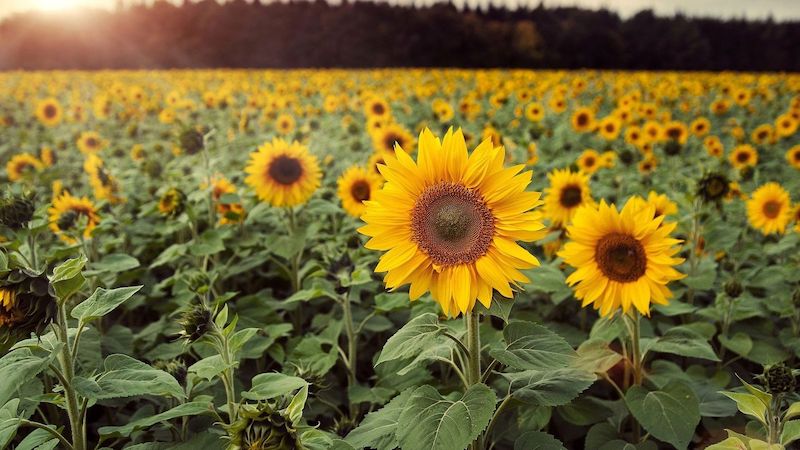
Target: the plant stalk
pixel 68 372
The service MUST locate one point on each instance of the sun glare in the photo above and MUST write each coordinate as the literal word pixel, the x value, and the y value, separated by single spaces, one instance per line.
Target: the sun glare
pixel 54 5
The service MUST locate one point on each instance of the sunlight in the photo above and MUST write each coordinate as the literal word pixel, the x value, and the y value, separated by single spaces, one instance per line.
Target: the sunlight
pixel 55 5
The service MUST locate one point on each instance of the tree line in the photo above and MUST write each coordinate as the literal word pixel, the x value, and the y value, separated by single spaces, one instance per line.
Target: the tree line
pixel 366 35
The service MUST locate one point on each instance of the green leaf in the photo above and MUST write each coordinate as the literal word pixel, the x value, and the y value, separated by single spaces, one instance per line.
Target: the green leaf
pixel 169 254
pixel 128 377
pixel 391 301
pixel 533 347
pixel 8 421
pixel 670 415
pixel 209 243
pixel 17 368
pixel 295 409
pixel 500 307
pixel 549 387
pixel 113 263
pixel 791 432
pixel 684 341
pixel 412 339
pixel 186 409
pixel 67 278
pixel 208 368
pixel 704 275
pixel 594 355
pixel 433 422
pixel 102 302
pixel 749 404
pixel 267 386
pixel 537 440
pixel 378 428
pixel 731 443
pixel 38 440
pixel 739 343
pixel 792 411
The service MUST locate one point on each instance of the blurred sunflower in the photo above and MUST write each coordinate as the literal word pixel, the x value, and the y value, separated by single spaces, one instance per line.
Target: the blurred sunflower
pixel 283 173
pixel 533 155
pixel 172 203
pixel 390 135
pixel 793 156
pixel 284 124
pixel 648 165
pixel 355 186
pixel 72 216
pixel 796 218
pixel 763 134
pixel 91 142
pixel 534 112
pixel 742 156
pixel 622 258
pixel 104 185
pixel 583 120
pixel 769 209
pixel 377 107
pixel 700 127
pixel 449 221
pixel 609 127
pixel 589 161
pixel 49 112
pixel 567 192
pixel 21 164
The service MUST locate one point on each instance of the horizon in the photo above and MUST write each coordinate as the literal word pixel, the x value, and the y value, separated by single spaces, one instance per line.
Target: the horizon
pixel 778 10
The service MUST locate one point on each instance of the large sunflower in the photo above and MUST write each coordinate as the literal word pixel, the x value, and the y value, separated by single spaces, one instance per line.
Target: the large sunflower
pixel 768 209
pixel 622 258
pixel 449 221
pixel 72 216
pixel 357 185
pixel 283 173
pixel 49 112
pixel 567 192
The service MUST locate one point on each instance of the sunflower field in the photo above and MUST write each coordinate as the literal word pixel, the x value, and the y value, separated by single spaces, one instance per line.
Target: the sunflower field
pixel 414 259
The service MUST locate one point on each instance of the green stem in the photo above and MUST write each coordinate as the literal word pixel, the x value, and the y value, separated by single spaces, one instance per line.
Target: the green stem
pixel 352 348
pixel 32 246
pixel 68 373
pixel 228 378
pixel 473 374
pixel 634 332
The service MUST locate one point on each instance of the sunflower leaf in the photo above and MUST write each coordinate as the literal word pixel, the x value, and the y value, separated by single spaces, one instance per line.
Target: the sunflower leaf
pixel 417 335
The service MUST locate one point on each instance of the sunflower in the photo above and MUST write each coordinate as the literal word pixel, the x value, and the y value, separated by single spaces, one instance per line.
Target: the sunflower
pixel 172 203
pixel 534 112
pixel 47 156
pixel 375 162
pixel 390 135
pixel 568 191
pixel 377 107
pixel 104 185
pixel 742 156
pixel 357 185
pixel 714 146
pixel 768 209
pixel 648 165
pixel 72 216
pixel 700 127
pixel 793 156
pixel 22 164
pixel 284 124
pixel 583 120
pixel 786 125
pixel 796 218
pixel 609 127
pixel 676 132
pixel 662 205
pixel 533 155
pixel 763 134
pixel 622 258
pixel 283 173
pixel 450 221
pixel 91 142
pixel 49 112
pixel 589 161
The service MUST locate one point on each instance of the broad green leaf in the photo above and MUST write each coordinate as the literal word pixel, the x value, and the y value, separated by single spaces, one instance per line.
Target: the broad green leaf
pixel 549 387
pixel 391 301
pixel 749 404
pixel 208 368
pixel 378 428
pixel 38 440
pixel 113 263
pixel 295 409
pixel 433 422
pixel 792 411
pixel 186 409
pixel 731 443
pixel 208 243
pixel 67 278
pixel 17 368
pixel 169 254
pixel 413 338
pixel 685 342
pixel 267 386
pixel 102 302
pixel 670 415
pixel 128 377
pixel 791 432
pixel 8 421
pixel 533 347
pixel 594 355
pixel 739 343
pixel 537 440
pixel 500 307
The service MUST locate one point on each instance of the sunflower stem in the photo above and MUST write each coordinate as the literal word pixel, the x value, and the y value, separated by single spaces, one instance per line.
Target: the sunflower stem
pixel 352 347
pixel 474 360
pixel 635 332
pixel 68 373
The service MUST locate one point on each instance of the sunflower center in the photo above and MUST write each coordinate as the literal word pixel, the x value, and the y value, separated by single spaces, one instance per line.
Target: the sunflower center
pixel 378 109
pixel 91 142
pixel 589 161
pixel 390 140
pixel 285 170
pixel 360 190
pixel 797 155
pixel 50 111
pixel 452 224
pixel 582 120
pixel 621 257
pixel 742 157
pixel 772 209
pixel 571 196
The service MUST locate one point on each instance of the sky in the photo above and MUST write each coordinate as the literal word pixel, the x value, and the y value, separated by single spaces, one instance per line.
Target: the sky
pixel 780 10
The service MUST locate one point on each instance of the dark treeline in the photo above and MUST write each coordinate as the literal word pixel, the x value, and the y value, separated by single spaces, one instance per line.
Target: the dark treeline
pixel 362 34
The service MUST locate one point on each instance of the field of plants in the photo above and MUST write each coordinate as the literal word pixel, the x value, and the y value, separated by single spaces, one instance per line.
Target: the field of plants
pixel 413 259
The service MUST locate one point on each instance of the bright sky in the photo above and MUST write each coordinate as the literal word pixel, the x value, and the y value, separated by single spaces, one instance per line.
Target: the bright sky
pixel 779 9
